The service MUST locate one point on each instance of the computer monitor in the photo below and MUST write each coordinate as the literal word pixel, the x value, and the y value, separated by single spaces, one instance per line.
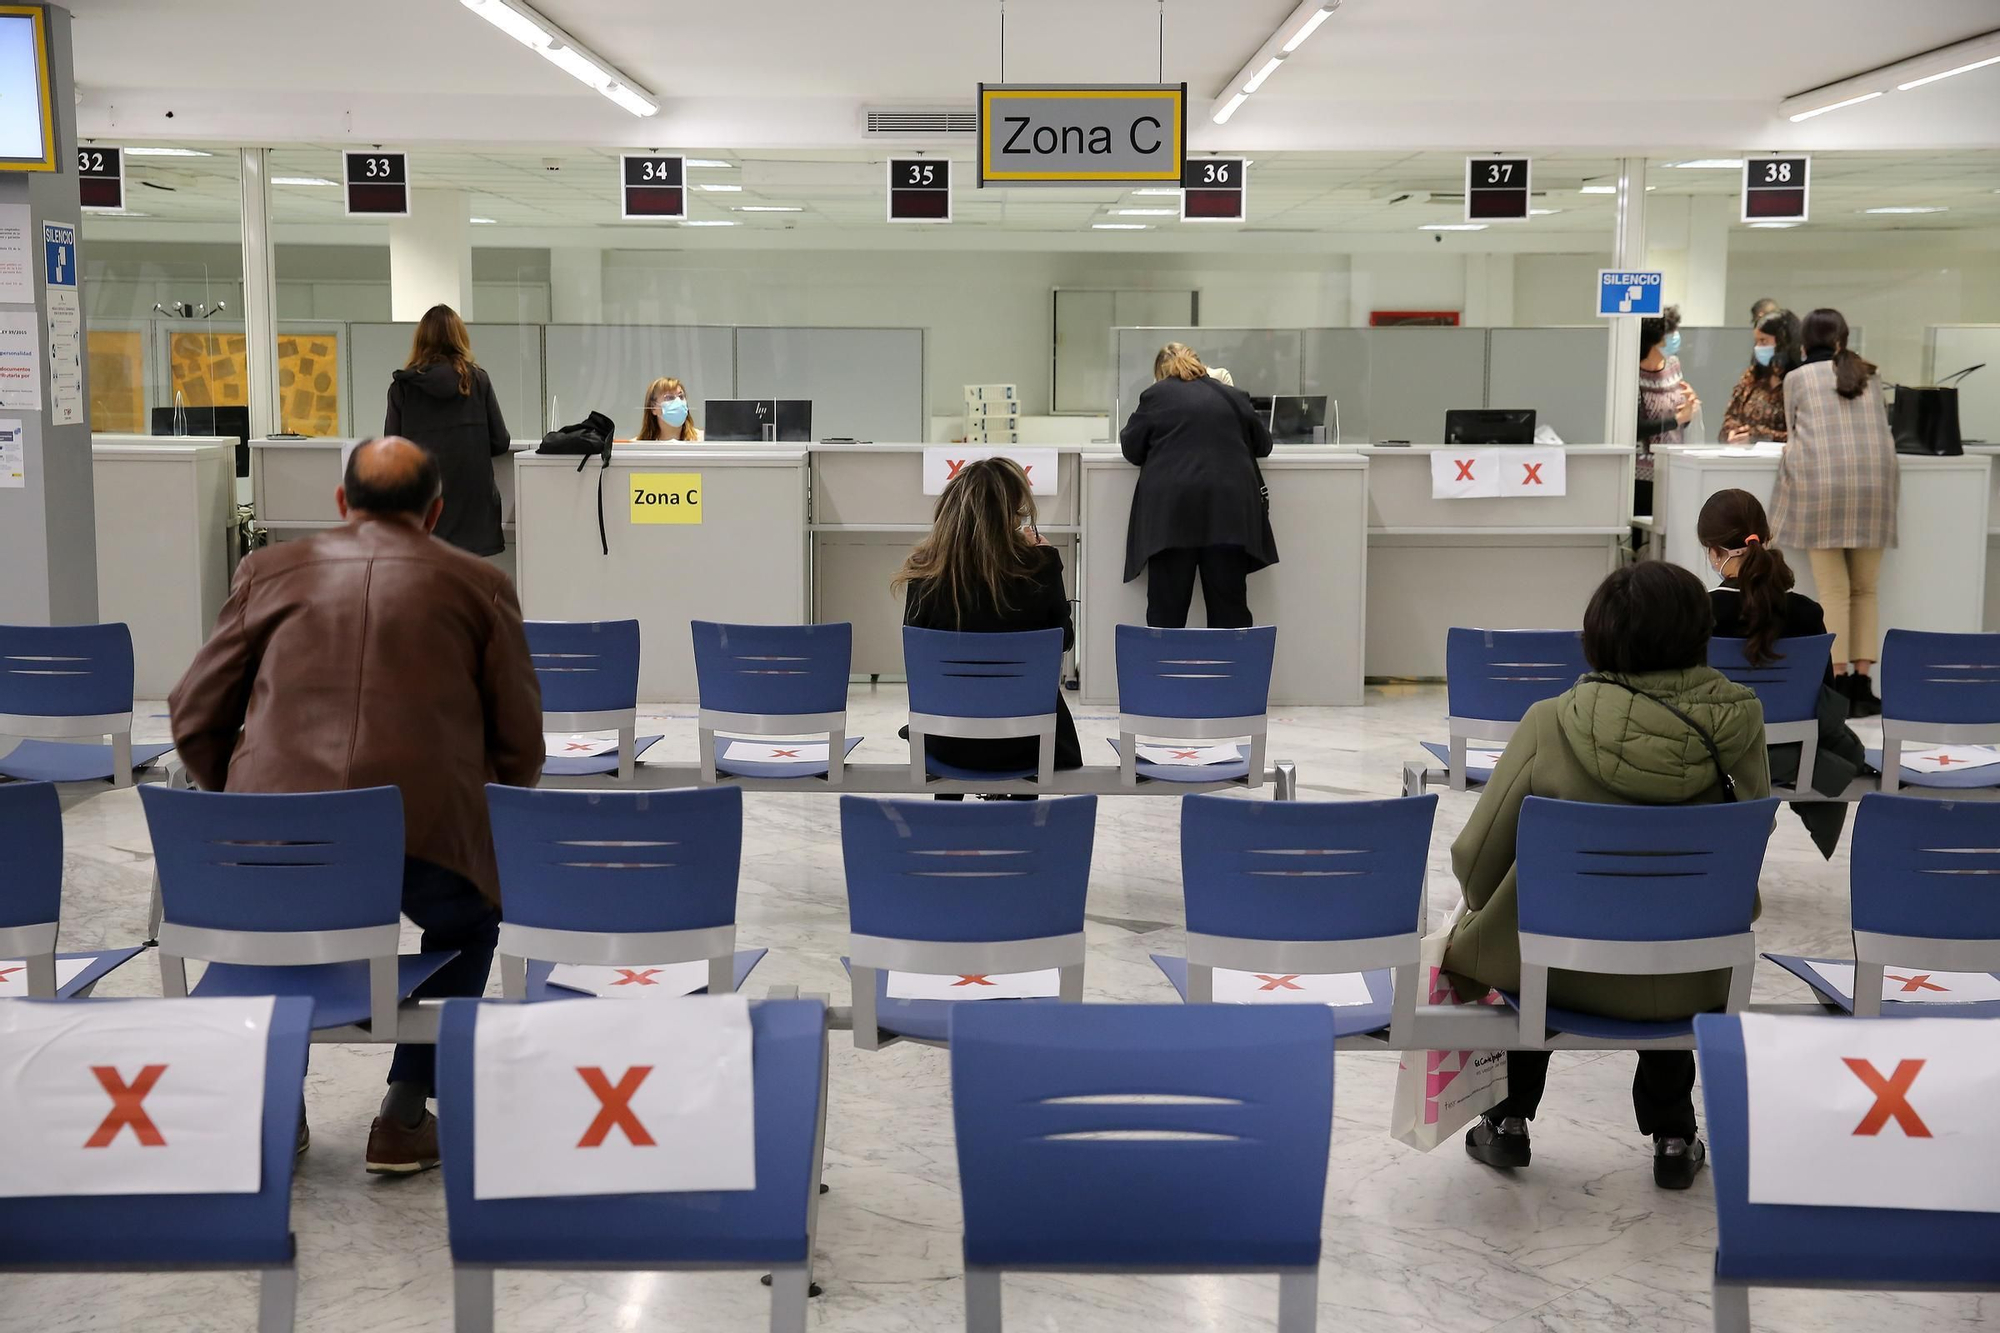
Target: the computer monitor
pixel 1490 425
pixel 1298 418
pixel 744 419
pixel 213 421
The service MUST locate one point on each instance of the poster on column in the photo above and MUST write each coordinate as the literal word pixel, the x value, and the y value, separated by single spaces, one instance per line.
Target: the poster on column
pixel 17 278
pixel 1873 1114
pixel 136 1097
pixel 20 361
pixel 13 456
pixel 65 320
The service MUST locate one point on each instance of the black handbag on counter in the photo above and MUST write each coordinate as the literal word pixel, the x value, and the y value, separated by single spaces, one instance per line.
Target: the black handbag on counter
pixel 1924 419
pixel 587 439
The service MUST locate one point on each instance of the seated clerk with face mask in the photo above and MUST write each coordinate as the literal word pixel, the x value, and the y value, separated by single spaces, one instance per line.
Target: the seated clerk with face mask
pixel 667 412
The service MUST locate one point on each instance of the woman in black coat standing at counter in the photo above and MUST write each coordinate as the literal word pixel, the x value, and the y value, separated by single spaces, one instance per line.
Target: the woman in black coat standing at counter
pixel 1200 506
pixel 443 401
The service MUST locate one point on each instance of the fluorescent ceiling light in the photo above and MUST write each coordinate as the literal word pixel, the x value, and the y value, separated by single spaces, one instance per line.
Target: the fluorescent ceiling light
pixel 767 208
pixel 1158 190
pixel 1542 212
pixel 1257 79
pixel 557 47
pixel 1119 226
pixel 1228 108
pixel 1945 74
pixel 300 180
pixel 1904 210
pixel 1709 164
pixel 708 222
pixel 1835 106
pixel 1298 38
pixel 709 162
pixel 720 189
pixel 1453 226
pixel 1598 189
pixel 1144 212
pixel 117 212
pixel 485 222
pixel 167 152
pixel 1771 226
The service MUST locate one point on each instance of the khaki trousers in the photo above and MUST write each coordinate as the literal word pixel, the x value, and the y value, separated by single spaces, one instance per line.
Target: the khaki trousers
pixel 1847 580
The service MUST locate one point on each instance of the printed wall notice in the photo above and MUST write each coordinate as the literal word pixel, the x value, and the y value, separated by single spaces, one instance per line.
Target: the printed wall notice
pixel 13 456
pixel 20 360
pixel 65 357
pixel 17 279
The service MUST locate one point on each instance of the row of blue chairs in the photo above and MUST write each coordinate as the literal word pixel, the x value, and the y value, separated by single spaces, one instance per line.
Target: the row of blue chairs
pixel 1098 1138
pixel 1941 689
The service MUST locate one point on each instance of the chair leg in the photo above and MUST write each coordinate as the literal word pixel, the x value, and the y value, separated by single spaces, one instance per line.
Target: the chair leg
pixel 628 752
pixel 982 1300
pixel 1731 1304
pixel 121 758
pixel 277 1299
pixel 173 975
pixel 513 977
pixel 819 1163
pixel 861 988
pixel 471 1300
pixel 1287 786
pixel 789 1285
pixel 1298 1301
pixel 836 757
pixel 156 914
pixel 705 737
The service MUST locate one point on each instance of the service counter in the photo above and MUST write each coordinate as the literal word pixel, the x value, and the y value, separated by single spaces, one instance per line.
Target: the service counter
pixel 166 522
pixel 1936 576
pixel 1500 563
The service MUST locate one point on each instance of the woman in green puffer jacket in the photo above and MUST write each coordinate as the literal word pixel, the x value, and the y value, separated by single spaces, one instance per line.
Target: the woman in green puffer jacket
pixel 1647 627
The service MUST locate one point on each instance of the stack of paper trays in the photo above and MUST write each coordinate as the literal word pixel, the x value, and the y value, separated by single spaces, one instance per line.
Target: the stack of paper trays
pixel 992 414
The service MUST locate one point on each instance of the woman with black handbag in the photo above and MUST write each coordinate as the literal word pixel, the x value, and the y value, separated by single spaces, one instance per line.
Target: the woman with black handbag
pixel 1200 508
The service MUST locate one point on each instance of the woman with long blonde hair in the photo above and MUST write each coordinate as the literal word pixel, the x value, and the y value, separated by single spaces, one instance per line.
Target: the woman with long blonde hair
pixel 667 412
pixel 443 400
pixel 984 569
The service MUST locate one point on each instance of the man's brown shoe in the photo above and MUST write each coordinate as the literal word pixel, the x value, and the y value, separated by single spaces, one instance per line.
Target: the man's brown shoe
pixel 400 1150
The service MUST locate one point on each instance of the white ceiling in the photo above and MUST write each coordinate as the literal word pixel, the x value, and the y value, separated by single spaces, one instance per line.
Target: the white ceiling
pixel 1578 75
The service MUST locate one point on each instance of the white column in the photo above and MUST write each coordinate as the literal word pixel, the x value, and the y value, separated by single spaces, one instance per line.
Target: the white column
pixel 576 285
pixel 1705 289
pixel 1628 249
pixel 430 255
pixel 260 295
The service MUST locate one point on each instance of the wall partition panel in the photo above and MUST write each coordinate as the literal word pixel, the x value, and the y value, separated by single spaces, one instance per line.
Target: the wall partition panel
pixel 1712 360
pixel 865 384
pixel 606 368
pixel 1261 361
pixel 511 354
pixel 1416 374
pixel 1949 348
pixel 1558 372
pixel 1335 362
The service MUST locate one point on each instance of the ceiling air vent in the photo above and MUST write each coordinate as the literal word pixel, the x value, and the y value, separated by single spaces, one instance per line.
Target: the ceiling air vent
pixel 919 122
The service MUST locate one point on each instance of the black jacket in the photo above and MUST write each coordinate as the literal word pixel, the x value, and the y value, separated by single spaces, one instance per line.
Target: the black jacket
pixel 1037 603
pixel 1841 756
pixel 465 433
pixel 1196 443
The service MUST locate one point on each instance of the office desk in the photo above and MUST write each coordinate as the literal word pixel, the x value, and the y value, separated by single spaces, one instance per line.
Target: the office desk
pixel 1315 594
pixel 1934 579
pixel 166 520
pixel 1494 563
pixel 745 561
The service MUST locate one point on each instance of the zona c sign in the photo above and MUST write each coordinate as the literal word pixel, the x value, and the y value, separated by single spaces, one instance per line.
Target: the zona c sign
pixel 1082 134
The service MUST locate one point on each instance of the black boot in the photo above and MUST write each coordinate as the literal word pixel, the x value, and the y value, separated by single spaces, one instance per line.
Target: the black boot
pixel 1860 691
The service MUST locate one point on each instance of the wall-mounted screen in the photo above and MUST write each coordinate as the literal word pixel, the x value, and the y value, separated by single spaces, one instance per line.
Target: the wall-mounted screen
pixel 27 122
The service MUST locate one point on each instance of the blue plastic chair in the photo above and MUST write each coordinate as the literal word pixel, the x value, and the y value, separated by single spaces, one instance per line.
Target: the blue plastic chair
pixel 1310 887
pixel 946 887
pixel 1194 684
pixel 287 895
pixel 985 687
pixel 31 896
pixel 784 681
pixel 64 688
pixel 154 1233
pixel 1634 890
pixel 1829 1248
pixel 1492 678
pixel 770 1227
pixel 1938 689
pixel 1788 688
pixel 1226 1175
pixel 589 671
pixel 1924 892
pixel 617 879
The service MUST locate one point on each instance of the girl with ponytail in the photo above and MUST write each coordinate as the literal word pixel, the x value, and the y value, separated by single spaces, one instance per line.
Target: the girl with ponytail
pixel 1756 603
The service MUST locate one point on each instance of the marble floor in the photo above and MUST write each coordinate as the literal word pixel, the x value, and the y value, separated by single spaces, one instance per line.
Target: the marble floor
pixel 1414 1242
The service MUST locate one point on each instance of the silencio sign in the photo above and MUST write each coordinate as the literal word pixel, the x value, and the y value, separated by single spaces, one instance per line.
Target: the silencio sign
pixel 1082 134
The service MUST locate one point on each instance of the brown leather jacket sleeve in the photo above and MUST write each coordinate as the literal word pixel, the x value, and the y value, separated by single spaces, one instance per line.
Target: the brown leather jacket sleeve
pixel 513 697
pixel 207 707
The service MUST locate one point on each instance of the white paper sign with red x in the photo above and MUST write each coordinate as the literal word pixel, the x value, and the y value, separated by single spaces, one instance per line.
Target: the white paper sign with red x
pixel 975 985
pixel 1916 985
pixel 1874 1114
pixel 14 974
pixel 1334 988
pixel 614 1099
pixel 658 981
pixel 941 465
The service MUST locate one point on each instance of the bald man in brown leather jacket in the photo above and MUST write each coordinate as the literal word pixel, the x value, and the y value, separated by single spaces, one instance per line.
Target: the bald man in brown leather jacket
pixel 373 655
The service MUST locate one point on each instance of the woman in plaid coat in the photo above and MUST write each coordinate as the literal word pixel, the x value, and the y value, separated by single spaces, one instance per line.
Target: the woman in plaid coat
pixel 1836 493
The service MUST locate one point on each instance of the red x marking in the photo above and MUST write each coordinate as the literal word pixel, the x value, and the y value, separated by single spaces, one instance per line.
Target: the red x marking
pixel 1946 761
pixel 1534 477
pixel 1187 754
pixel 954 464
pixel 1891 1098
pixel 126 1108
pixel 1278 983
pixel 578 745
pixel 6 972
pixel 974 979
pixel 632 977
pixel 615 1110
pixel 784 754
pixel 1921 981
pixel 1028 470
pixel 1464 468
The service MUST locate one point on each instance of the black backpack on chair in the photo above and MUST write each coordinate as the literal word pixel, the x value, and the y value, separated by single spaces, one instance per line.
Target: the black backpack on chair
pixel 587 439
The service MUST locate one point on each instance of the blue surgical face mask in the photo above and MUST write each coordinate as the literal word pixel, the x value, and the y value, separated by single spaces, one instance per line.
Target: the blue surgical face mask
pixel 1765 355
pixel 1671 346
pixel 674 411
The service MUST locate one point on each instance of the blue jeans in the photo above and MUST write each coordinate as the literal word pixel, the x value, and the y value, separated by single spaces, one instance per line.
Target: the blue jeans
pixel 453 914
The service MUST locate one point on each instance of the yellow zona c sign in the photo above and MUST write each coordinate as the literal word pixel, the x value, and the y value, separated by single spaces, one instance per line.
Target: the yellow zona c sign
pixel 666 497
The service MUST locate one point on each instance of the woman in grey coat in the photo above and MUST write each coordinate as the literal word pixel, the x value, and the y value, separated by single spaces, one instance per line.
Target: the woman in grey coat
pixel 1836 493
